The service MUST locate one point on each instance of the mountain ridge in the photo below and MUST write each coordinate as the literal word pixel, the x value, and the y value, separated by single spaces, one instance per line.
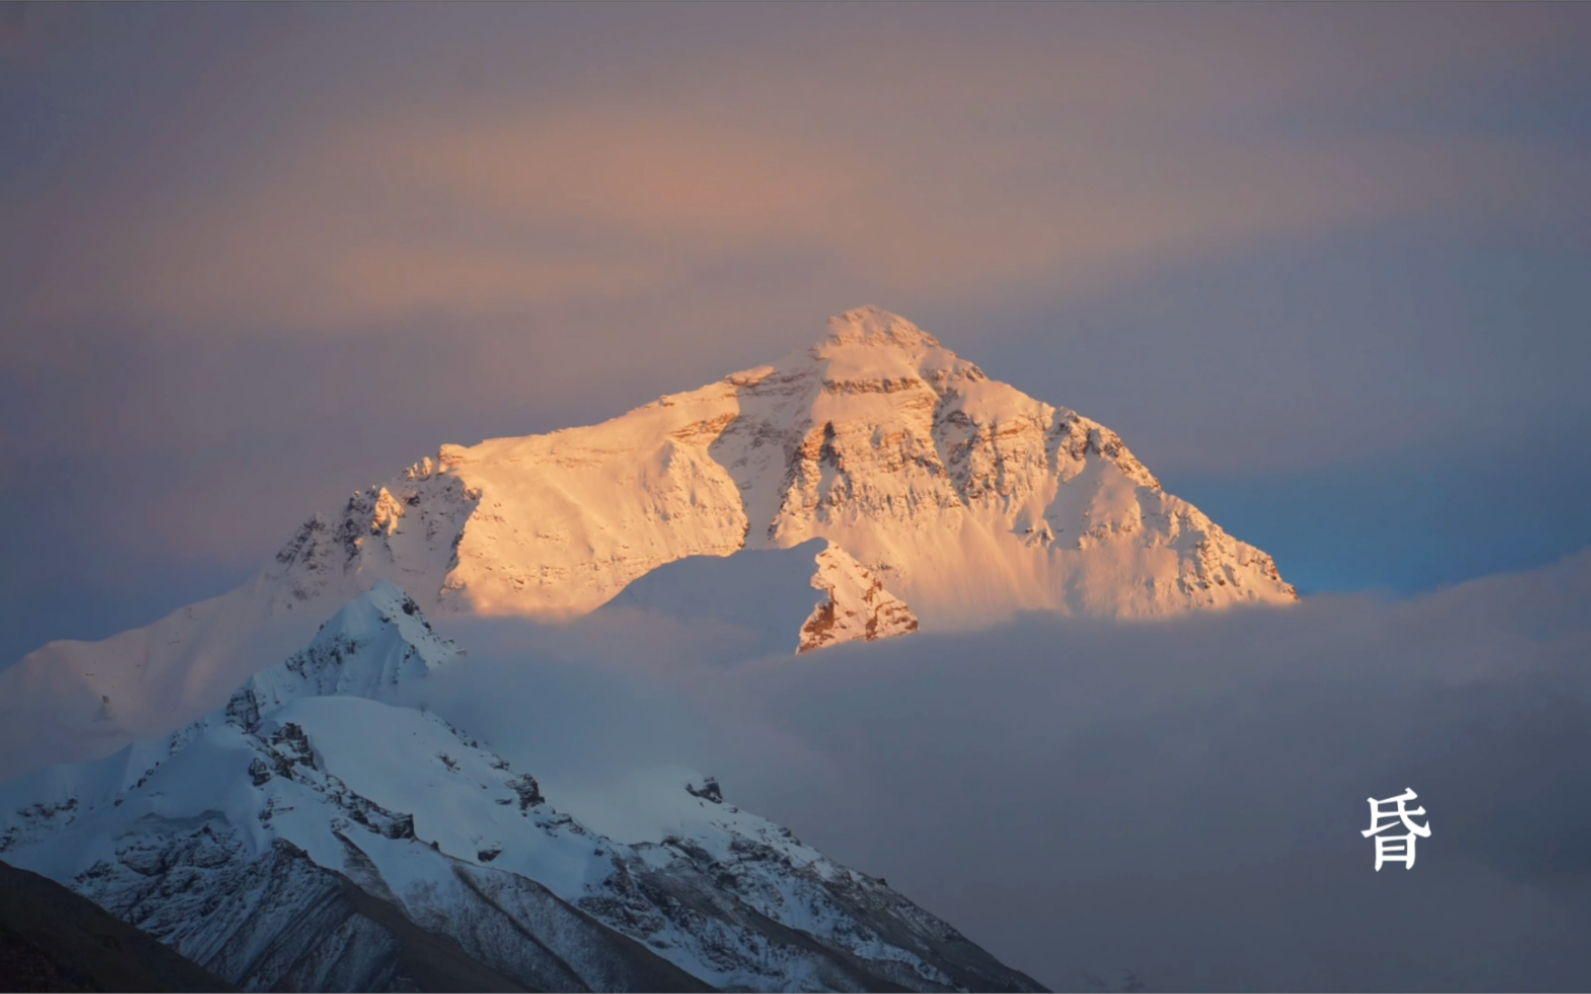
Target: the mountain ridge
pixel 947 501
pixel 320 833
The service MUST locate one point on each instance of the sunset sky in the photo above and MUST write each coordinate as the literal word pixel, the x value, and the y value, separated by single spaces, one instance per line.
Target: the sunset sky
pixel 1324 267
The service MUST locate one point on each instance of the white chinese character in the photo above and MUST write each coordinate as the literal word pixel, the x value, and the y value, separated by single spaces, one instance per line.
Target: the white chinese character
pixel 1396 847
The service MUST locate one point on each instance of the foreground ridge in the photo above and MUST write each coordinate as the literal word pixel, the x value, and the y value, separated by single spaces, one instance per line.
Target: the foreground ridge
pixel 53 940
pixel 316 833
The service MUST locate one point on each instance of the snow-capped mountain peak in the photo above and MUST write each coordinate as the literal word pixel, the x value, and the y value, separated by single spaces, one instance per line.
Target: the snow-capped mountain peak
pixel 306 834
pixel 876 327
pixel 955 500
pixel 372 646
pixel 968 498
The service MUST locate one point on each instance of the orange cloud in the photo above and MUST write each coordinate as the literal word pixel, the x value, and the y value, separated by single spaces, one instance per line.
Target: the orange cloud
pixel 949 165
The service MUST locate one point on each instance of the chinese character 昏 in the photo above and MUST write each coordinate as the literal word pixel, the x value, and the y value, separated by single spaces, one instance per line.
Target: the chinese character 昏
pixel 1396 847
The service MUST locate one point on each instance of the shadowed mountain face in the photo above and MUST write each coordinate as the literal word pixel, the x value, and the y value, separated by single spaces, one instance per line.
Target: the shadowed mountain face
pixel 320 833
pixel 53 940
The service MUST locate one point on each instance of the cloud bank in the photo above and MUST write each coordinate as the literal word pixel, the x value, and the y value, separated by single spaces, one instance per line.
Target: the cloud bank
pixel 1175 804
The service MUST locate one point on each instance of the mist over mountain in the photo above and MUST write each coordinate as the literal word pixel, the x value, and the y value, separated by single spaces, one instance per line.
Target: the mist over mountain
pixel 938 500
pixel 286 809
pixel 504 719
pixel 449 547
pixel 1177 804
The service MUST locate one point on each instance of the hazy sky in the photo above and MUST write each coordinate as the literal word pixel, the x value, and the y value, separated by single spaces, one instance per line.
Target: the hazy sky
pixel 1322 266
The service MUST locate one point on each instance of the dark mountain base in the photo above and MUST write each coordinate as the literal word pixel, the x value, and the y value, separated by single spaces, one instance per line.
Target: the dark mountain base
pixel 53 940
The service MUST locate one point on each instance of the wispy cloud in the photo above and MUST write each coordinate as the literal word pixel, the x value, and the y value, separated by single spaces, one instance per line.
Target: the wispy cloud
pixel 929 158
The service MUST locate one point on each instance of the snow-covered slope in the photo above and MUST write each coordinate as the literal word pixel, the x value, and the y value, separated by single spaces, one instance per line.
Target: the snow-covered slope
pixel 948 500
pixel 314 834
pixel 968 498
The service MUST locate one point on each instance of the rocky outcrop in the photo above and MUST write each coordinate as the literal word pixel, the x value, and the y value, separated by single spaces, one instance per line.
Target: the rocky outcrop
pixel 52 939
pixel 857 608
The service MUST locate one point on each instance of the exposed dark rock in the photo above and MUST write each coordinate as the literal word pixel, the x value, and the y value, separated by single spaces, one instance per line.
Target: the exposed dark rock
pixel 54 940
pixel 709 791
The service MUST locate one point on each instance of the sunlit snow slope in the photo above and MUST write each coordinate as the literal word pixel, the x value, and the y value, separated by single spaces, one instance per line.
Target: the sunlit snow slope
pixel 942 500
pixel 969 498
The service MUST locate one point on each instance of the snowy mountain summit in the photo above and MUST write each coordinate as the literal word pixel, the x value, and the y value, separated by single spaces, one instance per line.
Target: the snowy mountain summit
pixel 900 487
pixel 959 496
pixel 266 790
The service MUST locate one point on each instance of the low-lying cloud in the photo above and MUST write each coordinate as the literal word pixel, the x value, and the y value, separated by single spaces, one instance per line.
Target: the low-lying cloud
pixel 1174 804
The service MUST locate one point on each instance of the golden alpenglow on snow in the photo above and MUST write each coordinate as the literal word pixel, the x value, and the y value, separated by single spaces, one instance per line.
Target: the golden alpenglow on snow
pixel 932 497
pixel 969 499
